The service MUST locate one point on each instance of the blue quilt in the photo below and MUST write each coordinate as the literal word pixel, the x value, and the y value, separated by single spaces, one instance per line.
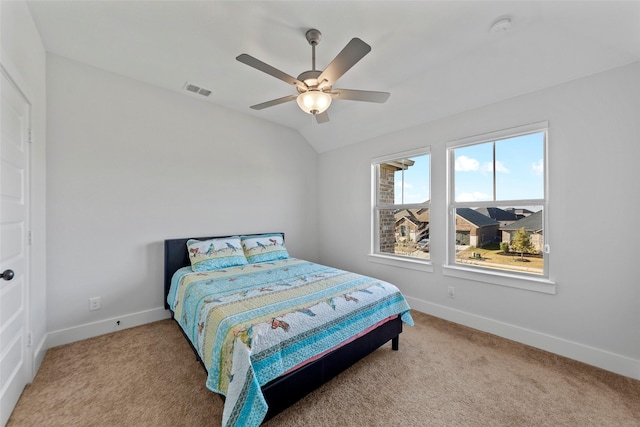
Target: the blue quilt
pixel 250 324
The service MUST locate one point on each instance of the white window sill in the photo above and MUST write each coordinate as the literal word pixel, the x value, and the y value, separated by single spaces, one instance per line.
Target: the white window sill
pixel 530 283
pixel 402 262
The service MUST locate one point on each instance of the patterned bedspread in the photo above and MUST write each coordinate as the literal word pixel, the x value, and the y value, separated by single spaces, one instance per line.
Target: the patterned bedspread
pixel 252 323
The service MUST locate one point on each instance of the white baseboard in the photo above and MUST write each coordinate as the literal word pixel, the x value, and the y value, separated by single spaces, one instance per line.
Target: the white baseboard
pixel 89 330
pixel 38 355
pixel 612 362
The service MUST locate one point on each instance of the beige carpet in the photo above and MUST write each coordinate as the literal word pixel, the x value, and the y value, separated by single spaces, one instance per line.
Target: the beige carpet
pixel 443 375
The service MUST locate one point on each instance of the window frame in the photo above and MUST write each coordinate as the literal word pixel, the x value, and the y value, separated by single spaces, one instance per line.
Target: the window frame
pixel 382 257
pixel 521 280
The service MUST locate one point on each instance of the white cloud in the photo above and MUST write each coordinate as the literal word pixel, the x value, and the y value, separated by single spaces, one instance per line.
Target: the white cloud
pixel 400 188
pixel 538 168
pixel 412 194
pixel 500 167
pixel 472 197
pixel 414 198
pixel 466 164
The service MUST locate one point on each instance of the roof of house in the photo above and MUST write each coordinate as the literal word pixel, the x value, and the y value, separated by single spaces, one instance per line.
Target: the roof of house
pixel 532 222
pixel 498 214
pixel 422 215
pixel 419 216
pixel 407 217
pixel 420 219
pixel 520 212
pixel 476 218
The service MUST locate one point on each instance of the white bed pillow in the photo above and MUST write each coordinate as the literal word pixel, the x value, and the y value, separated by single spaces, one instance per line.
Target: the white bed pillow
pixel 264 247
pixel 207 255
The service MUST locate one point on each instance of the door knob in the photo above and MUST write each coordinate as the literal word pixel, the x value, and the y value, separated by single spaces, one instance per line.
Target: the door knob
pixel 7 274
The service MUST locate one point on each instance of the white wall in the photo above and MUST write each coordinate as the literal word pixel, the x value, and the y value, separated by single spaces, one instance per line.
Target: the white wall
pixel 23 56
pixel 594 147
pixel 129 165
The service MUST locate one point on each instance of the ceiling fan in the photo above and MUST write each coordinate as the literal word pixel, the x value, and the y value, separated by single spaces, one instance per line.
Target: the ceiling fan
pixel 315 88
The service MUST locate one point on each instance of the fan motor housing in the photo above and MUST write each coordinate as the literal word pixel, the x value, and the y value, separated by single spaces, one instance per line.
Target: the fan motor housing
pixel 310 78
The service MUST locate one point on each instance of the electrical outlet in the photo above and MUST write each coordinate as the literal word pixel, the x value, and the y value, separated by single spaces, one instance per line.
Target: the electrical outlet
pixel 94 304
pixel 451 292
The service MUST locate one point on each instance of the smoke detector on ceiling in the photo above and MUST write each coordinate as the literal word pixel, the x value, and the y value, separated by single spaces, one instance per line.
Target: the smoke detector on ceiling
pixel 501 25
pixel 197 89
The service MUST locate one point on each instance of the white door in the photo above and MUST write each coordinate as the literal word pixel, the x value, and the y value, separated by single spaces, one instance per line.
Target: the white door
pixel 15 367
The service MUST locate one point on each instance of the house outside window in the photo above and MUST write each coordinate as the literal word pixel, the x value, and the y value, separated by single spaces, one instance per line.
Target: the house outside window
pixel 402 193
pixel 497 203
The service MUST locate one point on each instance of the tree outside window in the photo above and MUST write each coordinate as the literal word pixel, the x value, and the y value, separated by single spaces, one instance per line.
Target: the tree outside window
pixel 497 201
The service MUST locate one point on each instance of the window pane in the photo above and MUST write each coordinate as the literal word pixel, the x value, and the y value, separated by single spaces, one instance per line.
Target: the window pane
pixel 404 181
pixel 520 167
pixel 501 237
pixel 474 173
pixel 517 169
pixel 404 232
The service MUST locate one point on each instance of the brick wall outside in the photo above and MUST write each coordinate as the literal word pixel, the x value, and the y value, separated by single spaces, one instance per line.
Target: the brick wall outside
pixel 387 218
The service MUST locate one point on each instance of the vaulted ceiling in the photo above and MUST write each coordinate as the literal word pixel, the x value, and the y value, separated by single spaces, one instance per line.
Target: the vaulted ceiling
pixel 436 58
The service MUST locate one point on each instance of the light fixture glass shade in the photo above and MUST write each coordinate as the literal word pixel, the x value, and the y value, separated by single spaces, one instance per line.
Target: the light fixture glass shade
pixel 314 101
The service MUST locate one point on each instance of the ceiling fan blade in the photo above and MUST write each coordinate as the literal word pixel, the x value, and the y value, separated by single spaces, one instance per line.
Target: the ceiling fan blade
pixel 266 68
pixel 274 102
pixel 322 117
pixel 360 95
pixel 353 52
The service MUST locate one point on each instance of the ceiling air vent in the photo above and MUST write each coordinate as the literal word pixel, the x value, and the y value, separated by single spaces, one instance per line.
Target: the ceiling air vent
pixel 197 89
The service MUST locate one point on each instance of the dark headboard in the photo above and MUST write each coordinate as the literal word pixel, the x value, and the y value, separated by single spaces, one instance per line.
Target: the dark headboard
pixel 176 257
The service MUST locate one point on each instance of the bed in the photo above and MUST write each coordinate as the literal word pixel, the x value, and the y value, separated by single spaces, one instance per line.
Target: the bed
pixel 269 328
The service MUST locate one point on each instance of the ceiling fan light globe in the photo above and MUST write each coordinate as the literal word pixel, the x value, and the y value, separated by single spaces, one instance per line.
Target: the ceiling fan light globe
pixel 314 101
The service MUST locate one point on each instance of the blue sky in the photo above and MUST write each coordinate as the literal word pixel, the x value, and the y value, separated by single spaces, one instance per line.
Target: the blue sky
pixel 416 182
pixel 519 172
pixel 518 165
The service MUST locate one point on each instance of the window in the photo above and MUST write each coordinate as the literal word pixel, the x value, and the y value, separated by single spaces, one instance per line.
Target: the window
pixel 402 195
pixel 497 222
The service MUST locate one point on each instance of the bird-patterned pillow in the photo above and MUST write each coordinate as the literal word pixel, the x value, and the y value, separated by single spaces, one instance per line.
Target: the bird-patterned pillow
pixel 264 247
pixel 213 254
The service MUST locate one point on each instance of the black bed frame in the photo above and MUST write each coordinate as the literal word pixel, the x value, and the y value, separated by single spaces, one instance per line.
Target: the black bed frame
pixel 284 391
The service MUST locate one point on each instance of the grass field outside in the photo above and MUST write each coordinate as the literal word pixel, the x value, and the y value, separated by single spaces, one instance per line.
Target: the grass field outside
pixel 491 256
